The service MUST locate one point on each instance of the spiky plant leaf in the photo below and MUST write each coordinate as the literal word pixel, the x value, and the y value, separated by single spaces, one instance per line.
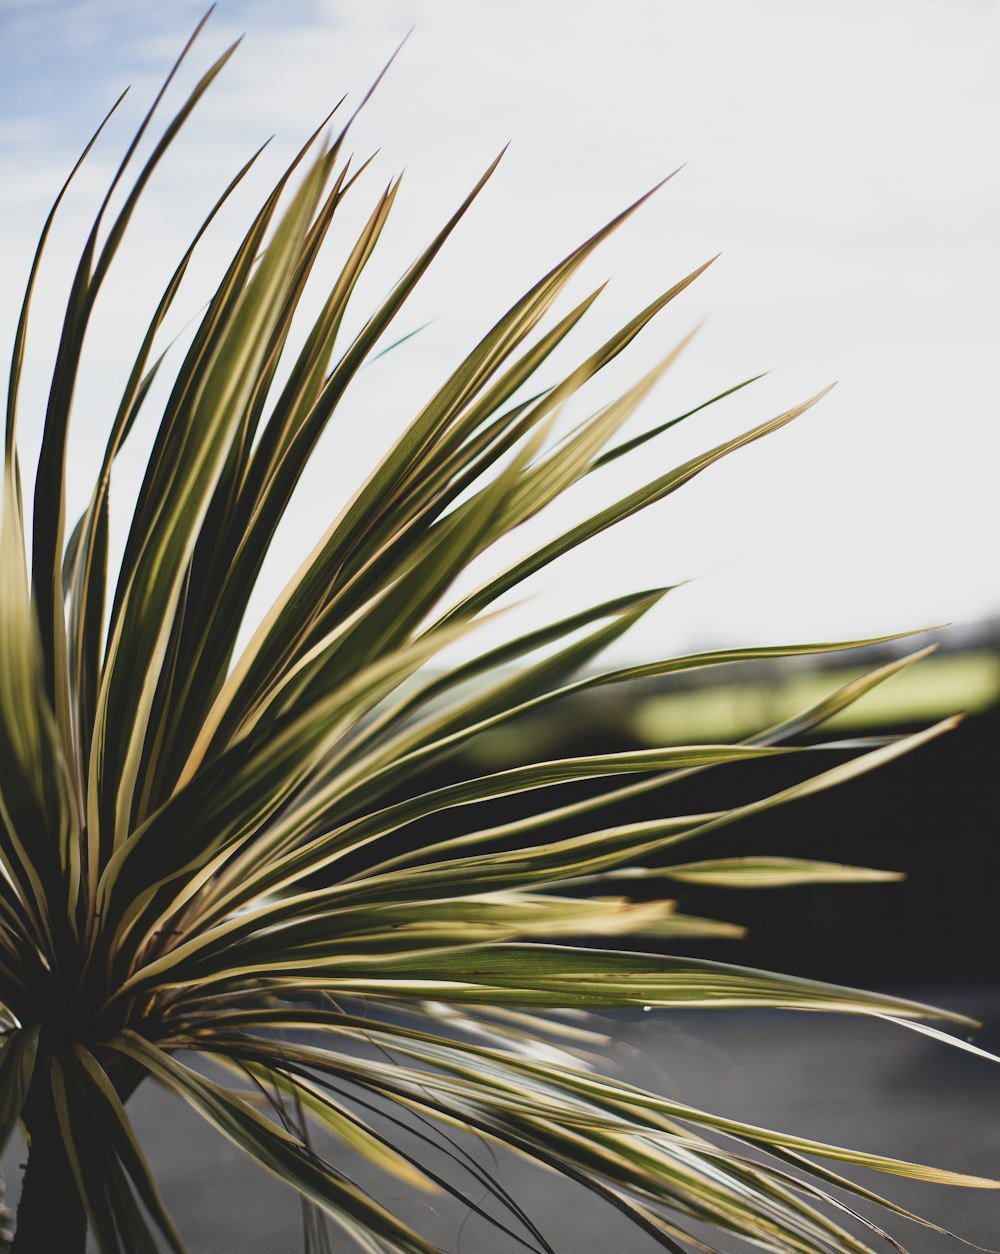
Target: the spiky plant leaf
pixel 198 846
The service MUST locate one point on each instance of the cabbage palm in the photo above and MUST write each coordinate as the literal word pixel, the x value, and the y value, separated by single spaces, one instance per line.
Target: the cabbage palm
pixel 201 885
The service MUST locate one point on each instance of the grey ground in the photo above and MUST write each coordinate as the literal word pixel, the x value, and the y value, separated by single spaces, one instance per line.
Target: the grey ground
pixel 869 1085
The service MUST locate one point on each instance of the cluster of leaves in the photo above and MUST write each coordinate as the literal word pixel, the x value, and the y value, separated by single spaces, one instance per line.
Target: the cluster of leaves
pixel 175 816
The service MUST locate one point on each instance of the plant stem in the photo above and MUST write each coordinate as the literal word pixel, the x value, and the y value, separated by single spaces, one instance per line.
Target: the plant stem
pixel 50 1214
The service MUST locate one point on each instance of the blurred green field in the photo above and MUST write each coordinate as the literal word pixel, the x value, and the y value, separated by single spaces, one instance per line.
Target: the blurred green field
pixel 942 685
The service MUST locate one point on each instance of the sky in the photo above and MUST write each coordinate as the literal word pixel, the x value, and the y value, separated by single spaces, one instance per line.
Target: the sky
pixel 840 154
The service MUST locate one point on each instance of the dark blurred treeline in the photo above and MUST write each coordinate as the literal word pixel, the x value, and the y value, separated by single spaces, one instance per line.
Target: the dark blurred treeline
pixel 934 814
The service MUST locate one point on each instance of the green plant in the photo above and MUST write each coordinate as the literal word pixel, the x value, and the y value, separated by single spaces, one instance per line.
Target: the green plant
pixel 196 848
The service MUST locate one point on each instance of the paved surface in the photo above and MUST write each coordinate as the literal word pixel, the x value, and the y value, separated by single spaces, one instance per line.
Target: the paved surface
pixel 869 1085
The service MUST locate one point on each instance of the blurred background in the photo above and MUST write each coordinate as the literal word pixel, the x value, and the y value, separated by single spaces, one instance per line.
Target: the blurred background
pixel 841 156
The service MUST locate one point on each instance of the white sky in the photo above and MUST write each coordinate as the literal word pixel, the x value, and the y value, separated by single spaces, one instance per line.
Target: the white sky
pixel 840 153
